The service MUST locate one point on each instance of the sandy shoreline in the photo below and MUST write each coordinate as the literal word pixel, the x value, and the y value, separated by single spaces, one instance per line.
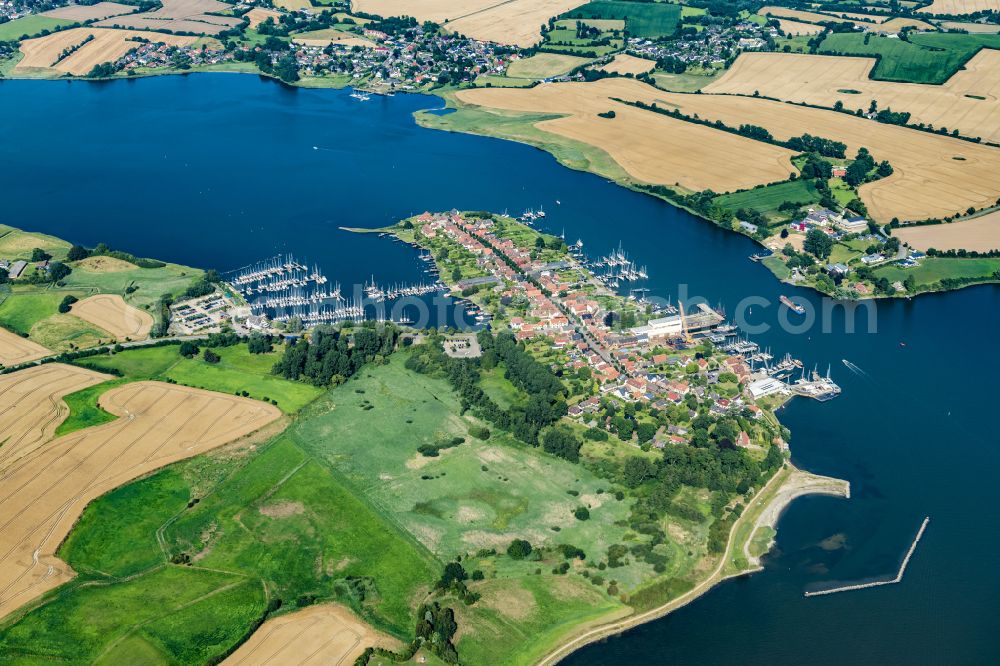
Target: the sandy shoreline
pixel 764 511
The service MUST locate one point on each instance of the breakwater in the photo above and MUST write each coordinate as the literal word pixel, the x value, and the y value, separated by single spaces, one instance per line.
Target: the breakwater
pixel 877 583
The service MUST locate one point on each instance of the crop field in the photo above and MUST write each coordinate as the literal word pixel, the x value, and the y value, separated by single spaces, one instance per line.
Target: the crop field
pixel 328 36
pixel 32 24
pixel 544 65
pixel 626 64
pixel 925 58
pixel 957 7
pixel 790 27
pixel 258 15
pixel 968 101
pixel 111 313
pixel 683 82
pixel 18 244
pixel 140 287
pixel 990 28
pixel 765 200
pixel 238 370
pixel 650 147
pixel 326 634
pixel 33 311
pixel 935 176
pixel 15 350
pixel 96 11
pixel 106 45
pixel 196 16
pixel 513 22
pixel 802 16
pixel 32 406
pixel 980 234
pixel 642 19
pixel 51 485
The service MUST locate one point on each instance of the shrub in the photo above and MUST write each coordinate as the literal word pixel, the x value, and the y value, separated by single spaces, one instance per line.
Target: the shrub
pixel 582 513
pixel 66 303
pixel 211 356
pixel 518 549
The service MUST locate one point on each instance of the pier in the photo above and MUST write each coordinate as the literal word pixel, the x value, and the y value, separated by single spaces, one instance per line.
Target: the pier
pixel 877 583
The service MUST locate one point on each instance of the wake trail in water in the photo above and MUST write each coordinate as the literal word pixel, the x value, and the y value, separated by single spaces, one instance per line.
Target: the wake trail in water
pixel 856 369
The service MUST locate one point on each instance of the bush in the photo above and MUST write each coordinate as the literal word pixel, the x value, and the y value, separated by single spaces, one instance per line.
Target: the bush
pixel 67 302
pixel 582 513
pixel 189 349
pixel 518 549
pixel 479 432
pixel 211 356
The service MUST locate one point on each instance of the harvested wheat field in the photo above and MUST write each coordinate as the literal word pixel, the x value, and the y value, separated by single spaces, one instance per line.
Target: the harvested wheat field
pixel 111 313
pixel 969 101
pixel 106 46
pixel 100 10
pixel 935 176
pixel 179 16
pixel 258 15
pixel 15 350
pixel 626 64
pixel 957 7
pixel 795 28
pixel 807 17
pixel 329 36
pixel 319 635
pixel 46 490
pixel 650 147
pixel 898 23
pixel 31 406
pixel 514 22
pixel 974 28
pixel 979 233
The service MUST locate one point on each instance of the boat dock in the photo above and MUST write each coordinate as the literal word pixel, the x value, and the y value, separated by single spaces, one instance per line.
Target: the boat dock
pixel 878 583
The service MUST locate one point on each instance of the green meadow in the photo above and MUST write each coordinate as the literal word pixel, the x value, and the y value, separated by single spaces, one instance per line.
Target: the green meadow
pixel 642 19
pixel 765 200
pixel 140 287
pixel 237 371
pixel 924 58
pixel 30 25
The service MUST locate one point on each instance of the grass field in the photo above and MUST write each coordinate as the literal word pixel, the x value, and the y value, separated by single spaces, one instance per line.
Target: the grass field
pixel 765 200
pixel 239 370
pixel 926 58
pixel 30 25
pixel 18 244
pixel 544 65
pixel 84 411
pixel 146 284
pixel 650 20
pixel 683 82
pixel 34 311
pixel 934 269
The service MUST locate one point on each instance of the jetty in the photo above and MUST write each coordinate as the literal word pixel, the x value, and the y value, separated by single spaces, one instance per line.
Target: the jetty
pixel 877 583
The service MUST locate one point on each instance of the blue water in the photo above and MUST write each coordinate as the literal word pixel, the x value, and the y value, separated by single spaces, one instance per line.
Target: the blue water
pixel 219 171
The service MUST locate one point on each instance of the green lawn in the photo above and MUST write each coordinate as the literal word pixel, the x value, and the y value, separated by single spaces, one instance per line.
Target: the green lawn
pixel 766 199
pixel 18 244
pixel 544 65
pixel 642 19
pixel 935 269
pixel 83 409
pixel 193 613
pixel 926 58
pixel 146 284
pixel 26 306
pixel 238 370
pixel 31 25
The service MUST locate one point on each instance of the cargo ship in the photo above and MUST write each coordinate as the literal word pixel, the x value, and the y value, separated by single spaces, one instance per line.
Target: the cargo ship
pixel 792 305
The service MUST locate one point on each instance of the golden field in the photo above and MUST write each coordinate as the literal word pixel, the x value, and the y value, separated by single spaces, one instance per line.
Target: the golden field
pixel 15 350
pixel 47 483
pixel 97 11
pixel 790 27
pixel 651 148
pixel 981 234
pixel 626 64
pixel 968 101
pixel 960 6
pixel 179 16
pixel 258 15
pixel 514 22
pixel 108 45
pixel 111 313
pixel 935 176
pixel 314 636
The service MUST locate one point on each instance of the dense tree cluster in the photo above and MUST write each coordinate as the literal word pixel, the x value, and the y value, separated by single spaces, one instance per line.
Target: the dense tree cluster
pixel 332 355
